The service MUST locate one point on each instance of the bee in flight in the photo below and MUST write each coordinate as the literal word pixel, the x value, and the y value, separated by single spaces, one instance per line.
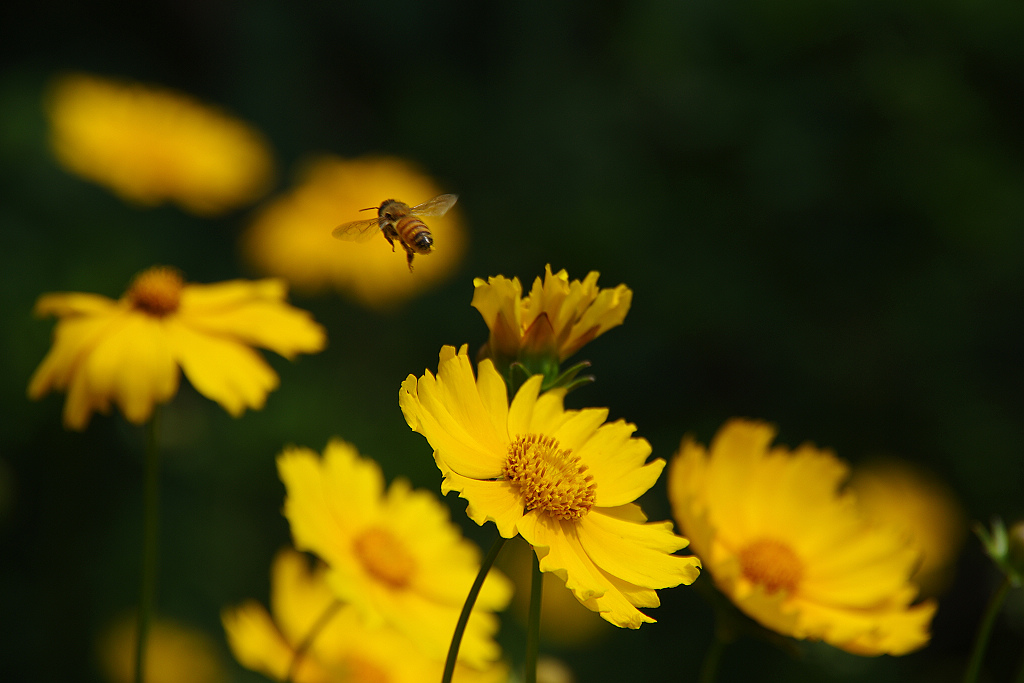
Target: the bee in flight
pixel 399 221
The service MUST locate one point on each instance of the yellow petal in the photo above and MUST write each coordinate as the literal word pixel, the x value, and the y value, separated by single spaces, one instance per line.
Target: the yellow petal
pixel 636 553
pixel 254 313
pixel 228 372
pixel 133 366
pixel 489 501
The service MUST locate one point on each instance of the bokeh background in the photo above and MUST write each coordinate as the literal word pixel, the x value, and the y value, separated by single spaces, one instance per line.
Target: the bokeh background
pixel 818 205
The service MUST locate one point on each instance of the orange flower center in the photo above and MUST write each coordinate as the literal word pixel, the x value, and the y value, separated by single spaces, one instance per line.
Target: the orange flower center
pixel 156 291
pixel 771 564
pixel 357 669
pixel 385 557
pixel 549 478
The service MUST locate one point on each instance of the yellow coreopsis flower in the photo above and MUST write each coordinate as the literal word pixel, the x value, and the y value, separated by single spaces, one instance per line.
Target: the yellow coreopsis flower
pixel 553 321
pixel 291 236
pixel 791 550
pixel 564 480
pixel 175 653
pixel 128 351
pixel 393 555
pixel 151 145
pixel 316 639
pixel 921 506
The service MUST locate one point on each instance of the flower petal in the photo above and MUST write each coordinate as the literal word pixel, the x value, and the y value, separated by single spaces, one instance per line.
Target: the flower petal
pixel 226 371
pixel 253 312
pixel 636 553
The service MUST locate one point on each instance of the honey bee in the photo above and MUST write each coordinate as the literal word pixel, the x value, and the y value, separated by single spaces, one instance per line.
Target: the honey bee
pixel 399 221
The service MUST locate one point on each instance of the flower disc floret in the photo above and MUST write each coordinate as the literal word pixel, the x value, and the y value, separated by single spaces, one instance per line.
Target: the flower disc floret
pixel 549 478
pixel 565 480
pixel 792 550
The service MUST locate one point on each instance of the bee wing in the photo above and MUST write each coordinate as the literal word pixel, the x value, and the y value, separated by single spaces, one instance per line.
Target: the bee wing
pixel 438 206
pixel 357 231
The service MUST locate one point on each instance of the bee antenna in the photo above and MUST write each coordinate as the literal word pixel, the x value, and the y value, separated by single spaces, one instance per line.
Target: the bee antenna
pixel 369 208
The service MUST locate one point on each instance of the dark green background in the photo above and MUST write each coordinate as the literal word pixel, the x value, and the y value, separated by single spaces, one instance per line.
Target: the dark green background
pixel 819 206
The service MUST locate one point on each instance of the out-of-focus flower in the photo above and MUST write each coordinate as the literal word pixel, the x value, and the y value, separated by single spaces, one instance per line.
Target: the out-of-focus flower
pixel 394 556
pixel 291 236
pixel 563 479
pixel 174 653
pixel 791 550
pixel 920 506
pixel 549 324
pixel 151 145
pixel 337 646
pixel 128 351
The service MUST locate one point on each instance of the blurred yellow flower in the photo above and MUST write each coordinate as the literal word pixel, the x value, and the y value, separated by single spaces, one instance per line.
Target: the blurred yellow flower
pixel 555 319
pixel 151 145
pixel 339 646
pixel 128 351
pixel 789 549
pixel 563 479
pixel 291 236
pixel 174 653
pixel 919 505
pixel 394 556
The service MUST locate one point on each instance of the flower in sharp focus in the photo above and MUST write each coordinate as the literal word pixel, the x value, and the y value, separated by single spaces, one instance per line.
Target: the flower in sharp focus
pixel 792 550
pixel 564 480
pixel 151 145
pixel 175 653
pixel 553 321
pixel 393 555
pixel 291 236
pixel 333 642
pixel 128 351
pixel 921 506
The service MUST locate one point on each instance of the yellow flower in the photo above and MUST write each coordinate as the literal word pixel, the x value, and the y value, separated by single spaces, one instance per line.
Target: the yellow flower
pixel 174 653
pixel 342 648
pixel 563 479
pixel 394 556
pixel 554 320
pixel 128 351
pixel 789 549
pixel 291 236
pixel 919 505
pixel 151 145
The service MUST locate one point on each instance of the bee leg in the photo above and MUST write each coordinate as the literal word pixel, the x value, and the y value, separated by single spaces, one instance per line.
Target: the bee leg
pixel 390 239
pixel 408 257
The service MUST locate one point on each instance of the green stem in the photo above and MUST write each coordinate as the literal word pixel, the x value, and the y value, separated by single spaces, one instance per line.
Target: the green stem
pixel 150 531
pixel 467 609
pixel 985 630
pixel 533 623
pixel 709 669
pixel 307 642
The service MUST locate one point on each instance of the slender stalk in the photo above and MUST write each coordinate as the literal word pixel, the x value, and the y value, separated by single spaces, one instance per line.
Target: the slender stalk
pixel 307 642
pixel 467 609
pixel 985 630
pixel 533 623
pixel 150 532
pixel 709 669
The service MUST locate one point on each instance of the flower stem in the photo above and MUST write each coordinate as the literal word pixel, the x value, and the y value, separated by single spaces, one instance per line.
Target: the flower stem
pixel 467 609
pixel 985 630
pixel 307 642
pixel 150 531
pixel 533 623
